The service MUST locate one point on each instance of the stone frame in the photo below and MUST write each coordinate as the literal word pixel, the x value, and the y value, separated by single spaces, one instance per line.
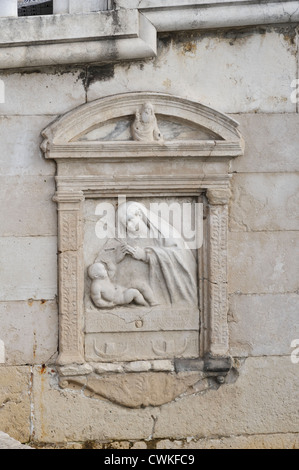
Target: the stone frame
pixel 212 181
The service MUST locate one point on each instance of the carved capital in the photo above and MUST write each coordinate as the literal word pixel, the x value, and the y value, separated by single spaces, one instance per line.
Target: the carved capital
pixel 68 196
pixel 218 196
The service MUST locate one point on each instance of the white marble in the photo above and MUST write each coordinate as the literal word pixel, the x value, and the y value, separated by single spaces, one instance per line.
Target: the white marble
pixel 105 347
pixel 9 8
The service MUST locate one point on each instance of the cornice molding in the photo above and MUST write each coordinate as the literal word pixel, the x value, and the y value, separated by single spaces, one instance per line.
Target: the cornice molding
pixel 87 38
pixel 62 138
pixel 127 33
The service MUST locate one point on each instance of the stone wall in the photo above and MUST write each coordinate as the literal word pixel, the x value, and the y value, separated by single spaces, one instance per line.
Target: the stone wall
pixel 247 74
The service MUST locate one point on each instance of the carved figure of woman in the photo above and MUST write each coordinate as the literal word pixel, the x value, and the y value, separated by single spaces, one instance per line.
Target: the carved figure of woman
pixel 171 264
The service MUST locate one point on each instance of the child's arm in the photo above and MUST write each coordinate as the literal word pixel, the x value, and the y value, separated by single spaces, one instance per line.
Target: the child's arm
pixel 111 269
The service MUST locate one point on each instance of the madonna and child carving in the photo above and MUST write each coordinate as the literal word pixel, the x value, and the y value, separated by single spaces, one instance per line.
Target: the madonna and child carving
pixel 146 267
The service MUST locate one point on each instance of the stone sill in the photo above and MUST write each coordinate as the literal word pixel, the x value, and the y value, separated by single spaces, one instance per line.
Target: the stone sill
pixel 32 30
pixel 75 39
pixel 127 33
pixel 182 15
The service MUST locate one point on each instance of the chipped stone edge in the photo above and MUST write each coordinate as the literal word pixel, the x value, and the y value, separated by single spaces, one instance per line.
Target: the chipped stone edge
pixel 119 367
pixel 186 15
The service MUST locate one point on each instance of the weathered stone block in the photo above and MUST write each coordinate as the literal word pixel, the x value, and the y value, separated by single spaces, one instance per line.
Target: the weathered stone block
pixel 66 415
pixel 27 208
pixel 264 202
pixel 29 331
pixel 28 268
pixel 41 93
pixel 262 262
pixel 272 142
pixel 15 395
pixel 225 75
pixel 263 324
pixel 19 141
pixel 263 400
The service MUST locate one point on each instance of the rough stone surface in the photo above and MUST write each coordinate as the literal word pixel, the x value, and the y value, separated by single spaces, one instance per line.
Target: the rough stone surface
pixel 263 262
pixel 271 140
pixel 263 324
pixel 29 330
pixel 27 209
pixel 41 93
pixel 262 404
pixel 15 401
pixel 262 441
pixel 262 400
pixel 81 418
pixel 26 274
pixel 20 136
pixel 224 79
pixel 265 202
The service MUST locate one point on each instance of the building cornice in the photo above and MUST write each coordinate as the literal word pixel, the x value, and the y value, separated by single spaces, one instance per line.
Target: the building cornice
pixel 127 33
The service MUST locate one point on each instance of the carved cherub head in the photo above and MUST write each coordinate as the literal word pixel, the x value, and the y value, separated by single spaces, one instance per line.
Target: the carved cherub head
pixel 97 271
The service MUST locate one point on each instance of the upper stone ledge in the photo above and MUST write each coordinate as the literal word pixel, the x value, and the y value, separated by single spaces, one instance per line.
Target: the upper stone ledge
pixel 184 15
pixel 153 4
pixel 76 39
pixel 32 30
pixel 129 32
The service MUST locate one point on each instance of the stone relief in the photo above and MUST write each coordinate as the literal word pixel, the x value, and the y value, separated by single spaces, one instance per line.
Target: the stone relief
pixel 106 294
pixel 131 303
pixel 145 126
pixel 169 266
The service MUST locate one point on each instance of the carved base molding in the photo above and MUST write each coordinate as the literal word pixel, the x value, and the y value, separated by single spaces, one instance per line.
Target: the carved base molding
pixel 138 390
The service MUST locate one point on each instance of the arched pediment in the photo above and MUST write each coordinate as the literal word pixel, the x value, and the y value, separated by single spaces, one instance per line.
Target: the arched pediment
pixel 103 129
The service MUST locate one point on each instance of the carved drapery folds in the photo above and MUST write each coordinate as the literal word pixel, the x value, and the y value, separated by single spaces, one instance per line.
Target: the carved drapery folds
pixel 142 304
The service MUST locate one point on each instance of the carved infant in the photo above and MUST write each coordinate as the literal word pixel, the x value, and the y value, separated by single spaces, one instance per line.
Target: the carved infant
pixel 106 294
